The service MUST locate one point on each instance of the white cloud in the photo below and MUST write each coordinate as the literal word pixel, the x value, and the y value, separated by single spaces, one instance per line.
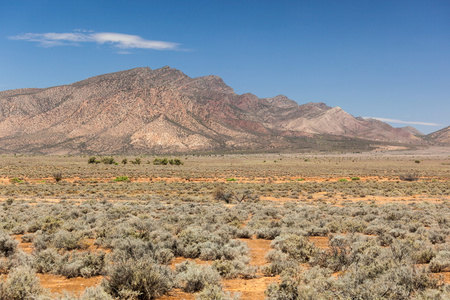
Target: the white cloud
pixel 118 40
pixel 127 41
pixel 404 122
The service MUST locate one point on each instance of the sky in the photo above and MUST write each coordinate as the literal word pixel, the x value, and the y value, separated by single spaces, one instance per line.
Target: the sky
pixel 382 59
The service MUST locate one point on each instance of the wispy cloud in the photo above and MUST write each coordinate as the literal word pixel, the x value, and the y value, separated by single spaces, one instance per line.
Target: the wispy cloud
pixel 79 36
pixel 404 122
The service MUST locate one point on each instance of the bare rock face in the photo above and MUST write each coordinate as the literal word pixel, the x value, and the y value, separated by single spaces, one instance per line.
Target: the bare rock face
pixel 441 136
pixel 164 110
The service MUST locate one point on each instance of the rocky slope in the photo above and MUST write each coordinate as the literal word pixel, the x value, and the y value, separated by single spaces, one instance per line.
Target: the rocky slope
pixel 441 136
pixel 412 130
pixel 164 110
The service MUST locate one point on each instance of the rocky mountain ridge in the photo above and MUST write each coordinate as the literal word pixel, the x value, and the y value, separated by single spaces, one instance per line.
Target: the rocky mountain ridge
pixel 163 110
pixel 441 136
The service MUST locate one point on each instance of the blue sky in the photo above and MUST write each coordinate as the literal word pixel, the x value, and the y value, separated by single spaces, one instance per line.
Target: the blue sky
pixel 385 59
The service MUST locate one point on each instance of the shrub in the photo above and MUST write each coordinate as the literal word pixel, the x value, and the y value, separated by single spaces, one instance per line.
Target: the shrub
pixel 231 179
pixel 121 178
pixel 142 278
pixel 18 259
pixel 355 178
pixel 160 161
pixel 245 195
pixel 436 237
pixel 57 176
pixel 440 262
pixel 124 161
pixel 342 180
pixel 176 162
pixel 93 160
pixel 136 161
pixel 215 292
pixel 21 283
pixel 220 194
pixel 108 160
pixel 96 293
pixel 240 196
pixel 84 264
pixel 16 180
pixel 193 278
pixel 8 246
pixel 268 233
pixel 67 240
pixel 244 233
pixel 279 262
pixel 234 268
pixel 409 177
pixel 47 261
pixel 296 246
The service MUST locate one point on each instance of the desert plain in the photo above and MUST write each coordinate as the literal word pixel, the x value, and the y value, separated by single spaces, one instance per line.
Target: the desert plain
pixel 371 225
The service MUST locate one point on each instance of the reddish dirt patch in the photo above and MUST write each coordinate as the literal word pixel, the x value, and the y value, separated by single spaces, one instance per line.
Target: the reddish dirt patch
pixel 252 288
pixel 249 288
pixel 258 250
pixel 446 276
pixel 93 248
pixel 59 284
pixel 177 294
pixel 321 242
pixel 25 247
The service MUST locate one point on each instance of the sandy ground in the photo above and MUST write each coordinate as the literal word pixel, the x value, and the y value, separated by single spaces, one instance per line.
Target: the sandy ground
pixel 60 284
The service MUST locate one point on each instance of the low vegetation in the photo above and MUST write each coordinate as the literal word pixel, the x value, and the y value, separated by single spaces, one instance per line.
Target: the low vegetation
pixel 167 230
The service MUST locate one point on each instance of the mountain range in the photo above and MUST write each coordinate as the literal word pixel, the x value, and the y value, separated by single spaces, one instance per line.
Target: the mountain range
pixel 165 111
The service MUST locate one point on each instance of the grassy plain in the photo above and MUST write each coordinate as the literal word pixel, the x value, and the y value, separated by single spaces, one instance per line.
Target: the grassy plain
pixel 275 226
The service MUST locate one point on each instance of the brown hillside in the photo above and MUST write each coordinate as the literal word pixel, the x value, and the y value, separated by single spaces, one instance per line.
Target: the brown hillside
pixel 164 110
pixel 441 136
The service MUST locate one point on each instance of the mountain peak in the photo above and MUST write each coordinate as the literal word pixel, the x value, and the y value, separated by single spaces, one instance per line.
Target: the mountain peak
pixel 164 110
pixel 412 130
pixel 282 101
pixel 213 82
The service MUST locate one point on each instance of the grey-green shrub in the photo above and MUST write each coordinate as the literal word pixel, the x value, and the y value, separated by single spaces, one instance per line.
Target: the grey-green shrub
pixel 8 246
pixel 142 278
pixel 192 278
pixel 21 283
pixel 440 262
pixel 215 292
pixel 296 246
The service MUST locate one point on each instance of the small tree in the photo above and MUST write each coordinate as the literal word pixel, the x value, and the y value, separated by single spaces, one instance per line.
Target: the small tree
pixel 136 161
pixel 409 177
pixel 108 160
pixel 160 161
pixel 57 176
pixel 175 161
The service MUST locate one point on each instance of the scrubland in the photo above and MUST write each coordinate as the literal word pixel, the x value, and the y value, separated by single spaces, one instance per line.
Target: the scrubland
pixel 260 226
